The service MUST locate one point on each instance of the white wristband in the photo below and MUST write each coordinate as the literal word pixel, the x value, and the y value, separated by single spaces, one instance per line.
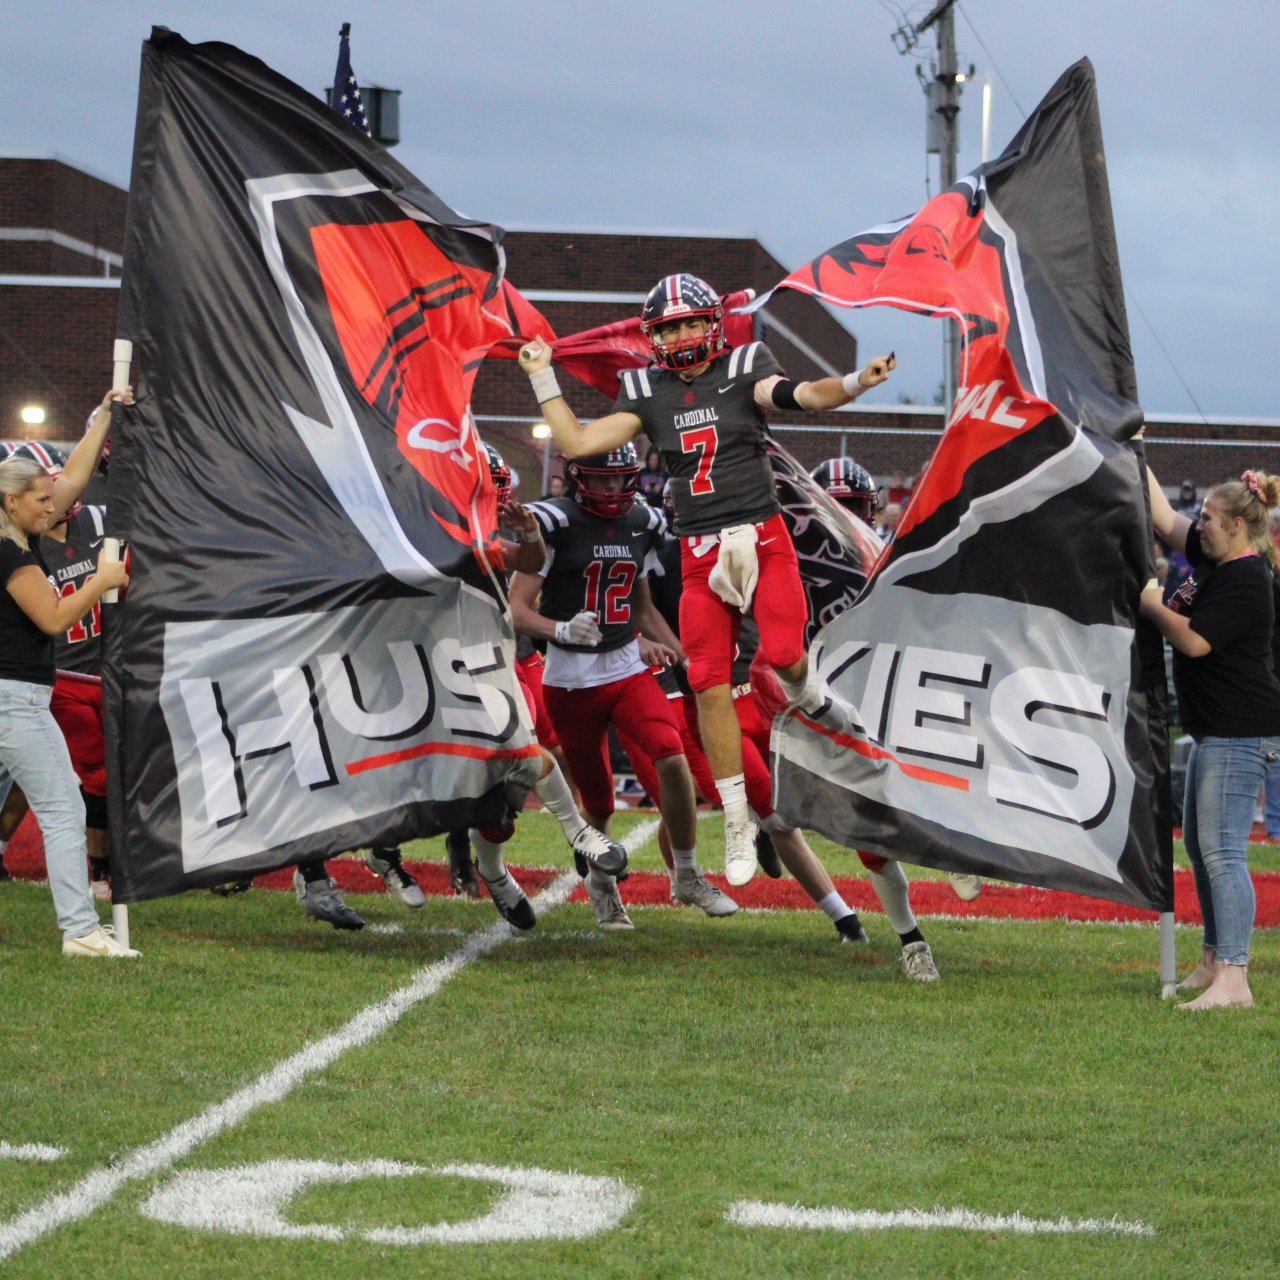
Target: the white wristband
pixel 544 384
pixel 531 535
pixel 851 385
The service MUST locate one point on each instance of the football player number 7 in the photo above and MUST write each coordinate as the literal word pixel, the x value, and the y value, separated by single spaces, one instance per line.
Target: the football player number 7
pixel 703 441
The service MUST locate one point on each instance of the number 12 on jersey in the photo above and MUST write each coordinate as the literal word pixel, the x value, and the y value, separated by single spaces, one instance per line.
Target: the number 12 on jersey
pixel 621 575
pixel 703 441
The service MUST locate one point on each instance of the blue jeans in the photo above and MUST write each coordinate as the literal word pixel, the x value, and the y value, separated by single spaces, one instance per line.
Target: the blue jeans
pixel 1223 777
pixel 34 752
pixel 1272 810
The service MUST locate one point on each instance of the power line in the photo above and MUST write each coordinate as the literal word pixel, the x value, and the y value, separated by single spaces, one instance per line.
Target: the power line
pixel 991 60
pixel 1128 292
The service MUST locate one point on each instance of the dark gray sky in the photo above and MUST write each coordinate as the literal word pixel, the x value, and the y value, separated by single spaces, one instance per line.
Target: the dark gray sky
pixel 795 121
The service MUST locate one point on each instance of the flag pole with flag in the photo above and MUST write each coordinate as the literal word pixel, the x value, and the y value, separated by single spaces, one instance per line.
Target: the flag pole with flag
pixel 314 654
pixel 347 100
pixel 991 710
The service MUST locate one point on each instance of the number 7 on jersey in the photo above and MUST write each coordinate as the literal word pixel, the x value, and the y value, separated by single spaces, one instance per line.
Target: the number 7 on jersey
pixel 703 441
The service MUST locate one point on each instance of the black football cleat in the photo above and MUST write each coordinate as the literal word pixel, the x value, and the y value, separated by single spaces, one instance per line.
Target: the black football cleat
pixel 851 931
pixel 462 869
pixel 767 856
pixel 509 898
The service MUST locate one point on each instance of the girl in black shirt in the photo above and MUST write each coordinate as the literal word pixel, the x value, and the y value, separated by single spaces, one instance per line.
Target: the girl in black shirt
pixel 1220 624
pixel 32 748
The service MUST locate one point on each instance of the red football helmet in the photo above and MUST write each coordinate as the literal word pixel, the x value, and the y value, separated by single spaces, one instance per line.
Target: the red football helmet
pixel 683 297
pixel 53 460
pixel 500 472
pixel 607 503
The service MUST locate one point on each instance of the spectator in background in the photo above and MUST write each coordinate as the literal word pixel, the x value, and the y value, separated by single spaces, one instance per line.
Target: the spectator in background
pixel 1186 503
pixel 889 518
pixel 899 489
pixel 653 479
pixel 1162 574
pixel 555 488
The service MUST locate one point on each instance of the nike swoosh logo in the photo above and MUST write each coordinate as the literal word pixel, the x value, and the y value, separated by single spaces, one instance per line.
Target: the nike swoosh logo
pixel 764 542
pixel 730 387
pixel 95 543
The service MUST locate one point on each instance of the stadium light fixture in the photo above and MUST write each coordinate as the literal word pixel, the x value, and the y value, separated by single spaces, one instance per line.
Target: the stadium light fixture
pixel 541 431
pixel 33 413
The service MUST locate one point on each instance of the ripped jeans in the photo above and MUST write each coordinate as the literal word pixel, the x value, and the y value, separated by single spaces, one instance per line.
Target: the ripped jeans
pixel 1223 777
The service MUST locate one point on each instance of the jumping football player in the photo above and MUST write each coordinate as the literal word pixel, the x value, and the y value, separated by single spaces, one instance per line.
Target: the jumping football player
pixel 705 408
pixel 594 600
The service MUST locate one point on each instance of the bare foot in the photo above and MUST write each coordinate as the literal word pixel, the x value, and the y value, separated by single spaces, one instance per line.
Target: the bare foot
pixel 1201 978
pixel 1229 989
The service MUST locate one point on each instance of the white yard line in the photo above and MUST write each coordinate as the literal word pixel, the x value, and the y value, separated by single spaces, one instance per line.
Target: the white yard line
pixel 31 1151
pixel 96 1188
pixel 752 1213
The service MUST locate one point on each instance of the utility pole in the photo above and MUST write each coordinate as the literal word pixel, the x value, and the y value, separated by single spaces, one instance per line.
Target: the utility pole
pixel 946 104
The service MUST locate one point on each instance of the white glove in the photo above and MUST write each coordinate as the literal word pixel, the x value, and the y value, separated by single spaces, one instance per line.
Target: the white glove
pixel 734 577
pixel 580 629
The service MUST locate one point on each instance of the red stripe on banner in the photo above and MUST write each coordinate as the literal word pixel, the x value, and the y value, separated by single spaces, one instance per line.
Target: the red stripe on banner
pixel 879 753
pixel 441 749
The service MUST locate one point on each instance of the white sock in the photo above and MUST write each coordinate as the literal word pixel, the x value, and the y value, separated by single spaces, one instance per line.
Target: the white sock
pixel 835 906
pixel 890 884
pixel 488 857
pixel 685 859
pixel 733 795
pixel 554 792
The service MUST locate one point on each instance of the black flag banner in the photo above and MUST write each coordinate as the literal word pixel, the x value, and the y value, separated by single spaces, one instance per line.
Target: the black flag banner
pixel 312 654
pixel 989 712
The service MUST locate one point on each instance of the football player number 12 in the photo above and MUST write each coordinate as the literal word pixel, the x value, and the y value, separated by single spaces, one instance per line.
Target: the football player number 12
pixel 621 575
pixel 702 441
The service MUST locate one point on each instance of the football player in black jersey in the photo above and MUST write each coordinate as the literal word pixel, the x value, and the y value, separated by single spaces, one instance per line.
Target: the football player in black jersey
pixel 603 635
pixel 704 406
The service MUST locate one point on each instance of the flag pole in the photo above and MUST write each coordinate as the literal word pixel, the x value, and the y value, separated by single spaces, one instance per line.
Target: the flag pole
pixel 1168 956
pixel 122 358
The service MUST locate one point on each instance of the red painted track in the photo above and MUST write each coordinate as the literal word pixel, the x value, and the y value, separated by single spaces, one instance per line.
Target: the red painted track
pixel 25 858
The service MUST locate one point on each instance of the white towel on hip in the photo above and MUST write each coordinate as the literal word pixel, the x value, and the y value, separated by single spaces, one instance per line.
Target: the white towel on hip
pixel 737 568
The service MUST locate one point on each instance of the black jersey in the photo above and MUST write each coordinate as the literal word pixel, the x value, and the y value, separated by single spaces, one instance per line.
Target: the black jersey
pixel 71 564
pixel 711 434
pixel 593 565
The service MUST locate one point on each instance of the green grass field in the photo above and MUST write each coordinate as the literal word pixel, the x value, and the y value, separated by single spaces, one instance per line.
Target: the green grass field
pixel 699 1062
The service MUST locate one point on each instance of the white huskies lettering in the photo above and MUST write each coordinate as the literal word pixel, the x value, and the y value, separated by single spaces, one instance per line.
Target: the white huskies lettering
pixel 937 705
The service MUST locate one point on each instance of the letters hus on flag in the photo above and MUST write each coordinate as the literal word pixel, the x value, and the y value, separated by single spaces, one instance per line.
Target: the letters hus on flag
pixel 1003 723
pixel 311 655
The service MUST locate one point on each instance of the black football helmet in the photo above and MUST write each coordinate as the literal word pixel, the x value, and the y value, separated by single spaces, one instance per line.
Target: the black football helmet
pixel 581 472
pixel 850 485
pixel 683 297
pixel 53 460
pixel 500 472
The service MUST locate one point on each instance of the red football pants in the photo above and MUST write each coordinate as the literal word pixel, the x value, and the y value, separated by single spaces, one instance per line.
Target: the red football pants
pixel 709 627
pixel 77 707
pixel 635 706
pixel 530 674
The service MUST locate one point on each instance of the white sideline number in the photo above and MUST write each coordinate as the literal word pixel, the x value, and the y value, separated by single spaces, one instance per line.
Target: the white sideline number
pixel 249 1199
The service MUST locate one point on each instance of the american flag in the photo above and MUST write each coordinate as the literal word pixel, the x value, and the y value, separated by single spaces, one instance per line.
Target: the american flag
pixel 345 98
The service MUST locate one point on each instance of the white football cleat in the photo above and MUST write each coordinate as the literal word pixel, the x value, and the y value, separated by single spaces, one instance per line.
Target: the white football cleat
pixel 599 851
pixel 740 852
pixel 967 887
pixel 917 962
pixel 695 890
pixel 99 942
pixel 607 902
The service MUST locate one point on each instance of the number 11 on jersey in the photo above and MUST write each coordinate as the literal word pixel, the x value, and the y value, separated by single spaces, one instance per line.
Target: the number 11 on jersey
pixel 703 441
